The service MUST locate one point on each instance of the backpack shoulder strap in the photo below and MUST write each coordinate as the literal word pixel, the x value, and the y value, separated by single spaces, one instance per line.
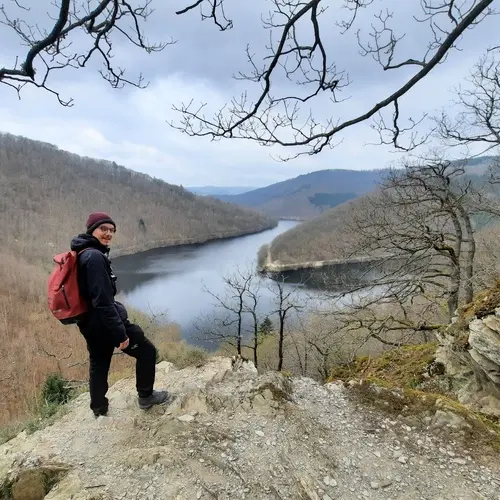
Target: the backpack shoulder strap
pixel 81 251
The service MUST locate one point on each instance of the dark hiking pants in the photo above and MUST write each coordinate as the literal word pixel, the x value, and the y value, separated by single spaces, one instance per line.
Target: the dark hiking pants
pixel 101 350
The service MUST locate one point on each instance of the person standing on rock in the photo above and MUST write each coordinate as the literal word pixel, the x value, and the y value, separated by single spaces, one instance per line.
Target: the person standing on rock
pixel 106 325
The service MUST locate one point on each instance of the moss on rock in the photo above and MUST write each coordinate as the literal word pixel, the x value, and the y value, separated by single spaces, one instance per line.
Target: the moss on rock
pixel 402 367
pixel 484 303
pixel 30 485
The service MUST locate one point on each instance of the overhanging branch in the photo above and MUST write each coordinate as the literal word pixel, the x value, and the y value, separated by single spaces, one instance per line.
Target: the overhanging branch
pixel 273 119
pixel 53 50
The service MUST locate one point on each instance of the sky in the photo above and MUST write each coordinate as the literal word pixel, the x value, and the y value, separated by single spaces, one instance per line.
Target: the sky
pixel 131 126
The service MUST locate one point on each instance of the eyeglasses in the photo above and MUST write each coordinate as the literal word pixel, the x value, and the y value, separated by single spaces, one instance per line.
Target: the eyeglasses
pixel 107 229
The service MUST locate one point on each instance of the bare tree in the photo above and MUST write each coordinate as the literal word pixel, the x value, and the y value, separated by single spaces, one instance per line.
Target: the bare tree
pixel 478 122
pixel 300 51
pixel 419 231
pixel 252 300
pixel 285 301
pixel 228 323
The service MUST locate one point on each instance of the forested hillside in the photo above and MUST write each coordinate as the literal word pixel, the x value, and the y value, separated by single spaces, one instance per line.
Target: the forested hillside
pixel 310 194
pixel 45 197
pixel 331 235
pixel 219 190
pixel 322 238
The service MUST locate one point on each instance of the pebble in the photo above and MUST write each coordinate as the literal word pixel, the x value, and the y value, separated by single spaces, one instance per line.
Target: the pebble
pixel 329 481
pixel 186 418
pixel 260 433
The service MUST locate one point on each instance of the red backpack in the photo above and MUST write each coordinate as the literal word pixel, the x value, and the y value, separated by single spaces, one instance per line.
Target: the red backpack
pixel 64 299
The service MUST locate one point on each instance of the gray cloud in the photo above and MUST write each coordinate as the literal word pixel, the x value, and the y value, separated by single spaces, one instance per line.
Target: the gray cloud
pixel 129 125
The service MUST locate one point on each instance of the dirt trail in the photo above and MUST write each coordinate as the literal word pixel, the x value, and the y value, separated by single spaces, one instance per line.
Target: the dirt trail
pixel 233 434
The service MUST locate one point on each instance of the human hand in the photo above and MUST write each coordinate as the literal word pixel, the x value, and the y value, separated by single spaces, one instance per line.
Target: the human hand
pixel 124 344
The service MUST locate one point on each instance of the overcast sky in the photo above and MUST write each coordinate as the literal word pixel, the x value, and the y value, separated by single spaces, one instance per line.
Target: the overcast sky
pixel 130 126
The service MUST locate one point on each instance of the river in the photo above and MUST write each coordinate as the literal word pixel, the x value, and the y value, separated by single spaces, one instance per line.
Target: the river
pixel 172 280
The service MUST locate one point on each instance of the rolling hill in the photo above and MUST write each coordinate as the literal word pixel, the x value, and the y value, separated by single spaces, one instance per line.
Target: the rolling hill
pixel 308 195
pixel 46 194
pixel 326 238
pixel 219 190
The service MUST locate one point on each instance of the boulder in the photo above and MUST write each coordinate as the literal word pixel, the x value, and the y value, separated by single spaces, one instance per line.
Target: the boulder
pixel 491 369
pixel 493 322
pixel 485 340
pixel 443 419
pixel 30 485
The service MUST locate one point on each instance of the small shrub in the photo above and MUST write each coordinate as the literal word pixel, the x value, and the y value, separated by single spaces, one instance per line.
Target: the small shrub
pixel 55 391
pixel 181 354
pixel 8 433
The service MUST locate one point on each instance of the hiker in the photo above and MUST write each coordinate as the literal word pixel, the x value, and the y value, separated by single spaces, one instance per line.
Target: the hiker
pixel 105 325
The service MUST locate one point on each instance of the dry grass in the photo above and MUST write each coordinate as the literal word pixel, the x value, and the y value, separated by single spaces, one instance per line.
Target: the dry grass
pixel 401 367
pixel 35 344
pixel 484 303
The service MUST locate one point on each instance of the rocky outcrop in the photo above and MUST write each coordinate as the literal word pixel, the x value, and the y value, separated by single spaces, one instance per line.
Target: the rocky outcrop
pixel 232 433
pixel 474 366
pixel 484 338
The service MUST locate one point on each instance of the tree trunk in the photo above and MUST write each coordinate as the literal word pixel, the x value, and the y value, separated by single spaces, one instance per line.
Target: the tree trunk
pixel 456 274
pixel 454 291
pixel 469 260
pixel 281 340
pixel 240 318
pixel 255 339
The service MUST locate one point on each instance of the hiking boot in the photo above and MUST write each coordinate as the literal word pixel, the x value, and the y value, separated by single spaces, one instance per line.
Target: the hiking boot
pixel 100 412
pixel 156 398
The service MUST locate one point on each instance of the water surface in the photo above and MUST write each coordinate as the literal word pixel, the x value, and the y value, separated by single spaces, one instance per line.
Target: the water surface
pixel 172 280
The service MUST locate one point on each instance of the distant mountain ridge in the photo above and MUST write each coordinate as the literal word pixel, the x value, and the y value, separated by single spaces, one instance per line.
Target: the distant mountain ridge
pixel 308 195
pixel 220 190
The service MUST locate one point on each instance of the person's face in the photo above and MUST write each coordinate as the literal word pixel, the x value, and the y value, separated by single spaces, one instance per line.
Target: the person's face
pixel 104 233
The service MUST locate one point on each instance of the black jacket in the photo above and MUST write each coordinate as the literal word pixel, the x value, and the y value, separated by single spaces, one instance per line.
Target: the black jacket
pixel 97 284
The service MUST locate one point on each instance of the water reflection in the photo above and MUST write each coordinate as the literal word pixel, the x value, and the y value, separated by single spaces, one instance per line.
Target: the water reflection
pixel 171 280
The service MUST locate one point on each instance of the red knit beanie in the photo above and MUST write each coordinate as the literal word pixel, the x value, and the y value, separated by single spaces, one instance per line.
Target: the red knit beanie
pixel 96 219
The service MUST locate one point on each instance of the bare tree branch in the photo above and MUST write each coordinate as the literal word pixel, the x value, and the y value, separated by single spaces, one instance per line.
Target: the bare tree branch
pixel 279 119
pixel 52 50
pixel 479 120
pixel 215 13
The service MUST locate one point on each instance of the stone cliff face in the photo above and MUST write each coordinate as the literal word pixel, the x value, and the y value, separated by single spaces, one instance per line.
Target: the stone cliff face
pixel 472 361
pixel 231 433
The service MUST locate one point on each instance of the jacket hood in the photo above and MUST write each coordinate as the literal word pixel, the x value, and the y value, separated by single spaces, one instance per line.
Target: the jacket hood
pixel 83 241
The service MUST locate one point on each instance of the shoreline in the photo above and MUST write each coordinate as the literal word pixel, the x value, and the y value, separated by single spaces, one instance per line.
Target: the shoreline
pixel 163 244
pixel 276 267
